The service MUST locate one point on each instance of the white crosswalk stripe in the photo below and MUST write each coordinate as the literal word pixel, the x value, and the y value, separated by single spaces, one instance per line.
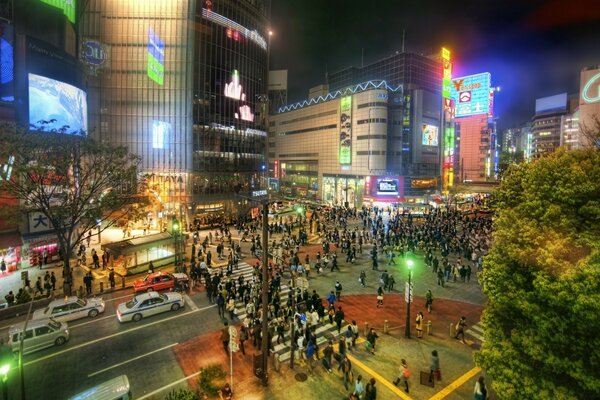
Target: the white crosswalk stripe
pixel 476 331
pixel 190 302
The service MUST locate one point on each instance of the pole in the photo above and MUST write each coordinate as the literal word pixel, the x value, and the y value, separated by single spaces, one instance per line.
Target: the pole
pixel 230 363
pixel 407 332
pixel 293 326
pixel 21 340
pixel 265 293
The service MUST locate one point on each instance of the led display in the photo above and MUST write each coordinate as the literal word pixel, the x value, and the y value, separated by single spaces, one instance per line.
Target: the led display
pixel 346 130
pixel 67 7
pixel 429 134
pixel 234 90
pixel 156 57
pixel 471 94
pixel 551 103
pixel 161 131
pixel 447 74
pixel 59 104
pixel 387 187
pixel 7 65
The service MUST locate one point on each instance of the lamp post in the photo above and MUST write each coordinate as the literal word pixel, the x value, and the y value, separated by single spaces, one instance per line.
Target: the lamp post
pixel 408 298
pixel 176 231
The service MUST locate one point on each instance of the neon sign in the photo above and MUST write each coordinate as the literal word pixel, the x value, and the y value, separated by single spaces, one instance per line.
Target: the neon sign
pixel 587 94
pixel 156 58
pixel 227 23
pixel 471 94
pixel 447 73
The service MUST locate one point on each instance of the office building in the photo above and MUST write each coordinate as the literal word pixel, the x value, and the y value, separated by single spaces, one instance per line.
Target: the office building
pixel 547 124
pixel 589 103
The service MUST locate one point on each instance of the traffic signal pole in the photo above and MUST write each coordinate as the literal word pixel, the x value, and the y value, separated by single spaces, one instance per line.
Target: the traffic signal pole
pixel 265 292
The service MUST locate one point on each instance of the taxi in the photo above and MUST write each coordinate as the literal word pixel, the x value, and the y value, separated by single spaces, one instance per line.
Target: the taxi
pixel 147 304
pixel 159 281
pixel 70 308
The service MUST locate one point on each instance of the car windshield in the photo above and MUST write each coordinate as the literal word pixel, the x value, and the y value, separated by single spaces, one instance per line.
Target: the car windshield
pixel 54 324
pixel 131 303
pixel 82 302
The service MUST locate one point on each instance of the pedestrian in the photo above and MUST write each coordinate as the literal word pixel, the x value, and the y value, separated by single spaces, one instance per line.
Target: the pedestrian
pixel 310 355
pixel 338 290
pixel 38 286
pixel 225 336
pixel 404 375
pixel 460 329
pixel 362 278
pixel 221 305
pixel 10 298
pixel 331 314
pixel 349 336
pixel 380 297
pixel 428 300
pixel 440 277
pixel 87 281
pixel 355 332
pixel 347 371
pixel 371 390
pixel 480 390
pixel 434 367
pixel 327 356
pixel 331 299
pixel 419 324
pixel 111 278
pixel 358 387
pixel 48 287
pixel 243 338
pixel 339 318
pixel 231 308
pixel 391 283
pixel 226 393
pixel 371 339
pixel 3 266
pixel 53 281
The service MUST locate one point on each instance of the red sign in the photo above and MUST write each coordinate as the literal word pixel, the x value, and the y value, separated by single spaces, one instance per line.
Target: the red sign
pixel 276 169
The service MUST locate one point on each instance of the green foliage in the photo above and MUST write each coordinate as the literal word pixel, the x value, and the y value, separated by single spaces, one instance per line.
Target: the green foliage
pixel 181 394
pixel 542 279
pixel 207 378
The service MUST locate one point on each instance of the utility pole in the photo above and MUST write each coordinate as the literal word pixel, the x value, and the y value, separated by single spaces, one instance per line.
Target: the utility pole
pixel 265 292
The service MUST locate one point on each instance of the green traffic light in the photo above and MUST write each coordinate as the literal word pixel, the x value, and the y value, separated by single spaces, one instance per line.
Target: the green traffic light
pixel 409 264
pixel 4 369
pixel 299 210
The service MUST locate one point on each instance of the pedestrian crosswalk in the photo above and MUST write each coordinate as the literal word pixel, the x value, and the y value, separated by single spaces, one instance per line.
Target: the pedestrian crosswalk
pixel 324 330
pixel 476 331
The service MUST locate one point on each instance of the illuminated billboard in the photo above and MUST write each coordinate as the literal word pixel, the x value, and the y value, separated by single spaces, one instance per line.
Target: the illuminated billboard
pixel 160 134
pixel 447 74
pixel 591 88
pixel 387 187
pixel 156 57
pixel 60 105
pixel 234 90
pixel 346 130
pixel 429 135
pixel 7 64
pixel 471 94
pixel 67 7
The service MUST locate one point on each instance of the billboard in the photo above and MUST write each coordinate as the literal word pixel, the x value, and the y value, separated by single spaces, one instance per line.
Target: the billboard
pixel 161 131
pixel 7 64
pixel 387 187
pixel 67 7
pixel 346 130
pixel 156 57
pixel 61 105
pixel 234 90
pixel 557 102
pixel 429 135
pixel 447 74
pixel 471 94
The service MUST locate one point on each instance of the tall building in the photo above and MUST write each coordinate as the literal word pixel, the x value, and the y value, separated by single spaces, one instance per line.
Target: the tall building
pixel 547 124
pixel 589 101
pixel 476 134
pixel 371 141
pixel 182 83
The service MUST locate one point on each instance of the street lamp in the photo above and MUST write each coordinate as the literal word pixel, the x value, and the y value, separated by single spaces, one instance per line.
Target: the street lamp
pixel 4 372
pixel 176 232
pixel 408 297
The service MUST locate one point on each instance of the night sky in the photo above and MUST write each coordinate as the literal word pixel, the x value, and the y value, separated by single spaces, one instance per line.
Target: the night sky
pixel 532 48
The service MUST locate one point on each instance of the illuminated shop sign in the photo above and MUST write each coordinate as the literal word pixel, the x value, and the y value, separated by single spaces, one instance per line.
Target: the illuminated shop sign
pixel 471 94
pixel 93 52
pixel 346 130
pixel 387 187
pixel 423 183
pixel 447 73
pixel 276 169
pixel 156 57
pixel 591 90
pixel 67 7
pixel 449 156
pixel 6 169
pixel 252 35
pixel 429 134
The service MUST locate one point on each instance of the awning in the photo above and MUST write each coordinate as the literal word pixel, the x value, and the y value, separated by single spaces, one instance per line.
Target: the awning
pixel 10 239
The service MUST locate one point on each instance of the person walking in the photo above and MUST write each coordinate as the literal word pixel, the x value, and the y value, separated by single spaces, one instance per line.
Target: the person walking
pixel 480 391
pixel 111 278
pixel 419 325
pixel 225 337
pixel 434 367
pixel 380 297
pixel 310 355
pixel 460 329
pixel 338 290
pixel 371 390
pixel 331 298
pixel 355 331
pixel 404 375
pixel 53 281
pixel 359 387
pixel 346 370
pixel 362 278
pixel 428 300
pixel 339 318
pixel 371 339
pixel 327 356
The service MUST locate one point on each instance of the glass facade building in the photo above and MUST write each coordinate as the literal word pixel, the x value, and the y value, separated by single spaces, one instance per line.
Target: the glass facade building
pixel 180 83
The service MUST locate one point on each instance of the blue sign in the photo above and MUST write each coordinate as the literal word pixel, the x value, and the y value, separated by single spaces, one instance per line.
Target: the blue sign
pixel 471 94
pixel 92 52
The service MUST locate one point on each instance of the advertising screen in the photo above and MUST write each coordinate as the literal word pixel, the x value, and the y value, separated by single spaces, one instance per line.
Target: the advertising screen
pixel 551 103
pixel 471 94
pixel 429 135
pixel 161 131
pixel 346 130
pixel 156 57
pixel 387 186
pixel 7 65
pixel 60 104
pixel 67 7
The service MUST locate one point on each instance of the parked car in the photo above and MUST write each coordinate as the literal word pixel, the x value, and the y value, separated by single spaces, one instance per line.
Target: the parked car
pixel 160 281
pixel 70 308
pixel 147 304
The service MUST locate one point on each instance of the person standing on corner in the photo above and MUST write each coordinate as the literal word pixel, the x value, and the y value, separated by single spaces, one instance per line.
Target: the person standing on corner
pixel 480 391
pixel 428 300
pixel 419 325
pixel 434 367
pixel 460 329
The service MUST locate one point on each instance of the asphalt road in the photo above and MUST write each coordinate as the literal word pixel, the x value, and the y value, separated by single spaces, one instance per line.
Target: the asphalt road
pixel 102 348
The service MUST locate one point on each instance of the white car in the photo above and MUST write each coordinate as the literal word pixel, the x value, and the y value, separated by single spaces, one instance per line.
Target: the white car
pixel 147 304
pixel 70 308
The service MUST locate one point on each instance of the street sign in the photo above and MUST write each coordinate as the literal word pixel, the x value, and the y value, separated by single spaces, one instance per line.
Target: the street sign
pixel 233 346
pixel 24 275
pixel 408 291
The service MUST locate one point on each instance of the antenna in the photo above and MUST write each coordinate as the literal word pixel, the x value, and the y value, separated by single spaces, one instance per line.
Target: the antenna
pixel 403 34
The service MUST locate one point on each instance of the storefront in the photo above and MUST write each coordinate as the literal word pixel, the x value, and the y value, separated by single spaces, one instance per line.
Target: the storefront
pixel 133 256
pixel 39 248
pixel 342 190
pixel 10 250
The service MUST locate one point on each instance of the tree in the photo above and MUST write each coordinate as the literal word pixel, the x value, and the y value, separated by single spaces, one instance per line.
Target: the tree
pixel 73 180
pixel 542 279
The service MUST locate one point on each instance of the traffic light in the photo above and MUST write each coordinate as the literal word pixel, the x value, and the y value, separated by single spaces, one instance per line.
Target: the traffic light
pixel 175 225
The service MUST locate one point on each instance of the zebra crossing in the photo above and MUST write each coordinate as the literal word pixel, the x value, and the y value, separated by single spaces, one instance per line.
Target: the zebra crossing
pixel 476 331
pixel 324 331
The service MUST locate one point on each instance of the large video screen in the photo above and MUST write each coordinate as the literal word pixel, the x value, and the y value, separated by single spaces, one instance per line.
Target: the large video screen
pixel 429 135
pixel 59 104
pixel 7 64
pixel 387 187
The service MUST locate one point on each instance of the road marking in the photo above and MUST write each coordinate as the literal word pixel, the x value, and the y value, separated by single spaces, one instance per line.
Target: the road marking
pixel 190 302
pixel 92 321
pixel 117 298
pixel 169 385
pixel 461 380
pixel 380 378
pixel 79 346
pixel 131 359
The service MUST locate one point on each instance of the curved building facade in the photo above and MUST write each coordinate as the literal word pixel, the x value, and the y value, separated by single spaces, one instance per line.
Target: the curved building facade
pixel 180 83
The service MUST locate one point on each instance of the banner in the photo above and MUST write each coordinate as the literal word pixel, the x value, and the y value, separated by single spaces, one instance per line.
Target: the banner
pixel 346 130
